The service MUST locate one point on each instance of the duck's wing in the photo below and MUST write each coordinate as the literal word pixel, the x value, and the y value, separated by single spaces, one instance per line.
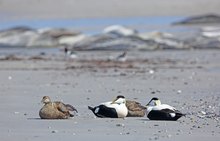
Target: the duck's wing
pixel 134 106
pixel 61 107
pixel 103 111
pixel 167 111
pixel 64 107
pixel 163 106
pixel 135 109
pixel 173 113
pixel 109 103
pixel 71 108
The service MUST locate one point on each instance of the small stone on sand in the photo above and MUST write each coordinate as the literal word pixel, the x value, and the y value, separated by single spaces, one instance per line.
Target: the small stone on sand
pixel 54 131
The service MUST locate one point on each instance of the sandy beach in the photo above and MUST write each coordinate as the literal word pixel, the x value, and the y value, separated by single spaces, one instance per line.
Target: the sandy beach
pixel 188 80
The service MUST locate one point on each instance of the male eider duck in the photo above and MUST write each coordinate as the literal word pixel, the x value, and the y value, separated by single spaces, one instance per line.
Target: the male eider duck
pixel 55 110
pixel 112 109
pixel 157 111
pixel 135 109
pixel 70 54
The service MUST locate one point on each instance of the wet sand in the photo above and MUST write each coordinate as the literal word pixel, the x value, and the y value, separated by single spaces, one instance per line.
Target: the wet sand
pixel 188 80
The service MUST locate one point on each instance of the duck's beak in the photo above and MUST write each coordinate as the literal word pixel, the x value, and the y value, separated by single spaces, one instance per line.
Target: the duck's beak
pixel 42 101
pixel 113 101
pixel 147 104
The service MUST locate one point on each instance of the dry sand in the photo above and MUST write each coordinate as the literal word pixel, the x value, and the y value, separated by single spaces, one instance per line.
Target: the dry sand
pixel 188 80
pixel 69 9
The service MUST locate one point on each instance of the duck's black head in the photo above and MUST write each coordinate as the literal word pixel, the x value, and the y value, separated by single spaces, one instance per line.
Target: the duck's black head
pixel 154 101
pixel 120 96
pixel 155 98
pixel 119 100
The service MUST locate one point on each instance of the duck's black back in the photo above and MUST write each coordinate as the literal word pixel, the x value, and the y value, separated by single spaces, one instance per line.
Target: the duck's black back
pixel 105 112
pixel 163 115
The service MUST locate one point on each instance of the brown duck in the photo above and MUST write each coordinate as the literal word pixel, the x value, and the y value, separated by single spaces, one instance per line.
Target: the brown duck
pixel 55 110
pixel 135 109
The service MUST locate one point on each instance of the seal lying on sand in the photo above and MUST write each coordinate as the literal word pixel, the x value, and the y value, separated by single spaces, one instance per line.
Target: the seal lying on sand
pixel 112 109
pixel 158 111
pixel 55 110
pixel 135 109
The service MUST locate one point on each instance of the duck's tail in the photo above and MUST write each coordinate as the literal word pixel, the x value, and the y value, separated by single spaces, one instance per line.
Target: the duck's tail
pixel 71 115
pixel 71 108
pixel 91 108
pixel 179 115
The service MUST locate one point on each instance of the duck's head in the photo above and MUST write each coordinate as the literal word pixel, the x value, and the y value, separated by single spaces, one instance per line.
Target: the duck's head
pixel 46 99
pixel 154 102
pixel 120 99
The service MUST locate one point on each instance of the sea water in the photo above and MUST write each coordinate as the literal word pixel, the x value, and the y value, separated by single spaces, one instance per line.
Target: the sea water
pixel 96 25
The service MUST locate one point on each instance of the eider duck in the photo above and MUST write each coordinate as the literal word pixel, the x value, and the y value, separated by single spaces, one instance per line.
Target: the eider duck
pixel 69 53
pixel 157 111
pixel 112 109
pixel 55 110
pixel 135 109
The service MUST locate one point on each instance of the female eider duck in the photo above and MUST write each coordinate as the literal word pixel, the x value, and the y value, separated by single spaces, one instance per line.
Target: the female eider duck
pixel 112 109
pixel 157 111
pixel 55 110
pixel 135 109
